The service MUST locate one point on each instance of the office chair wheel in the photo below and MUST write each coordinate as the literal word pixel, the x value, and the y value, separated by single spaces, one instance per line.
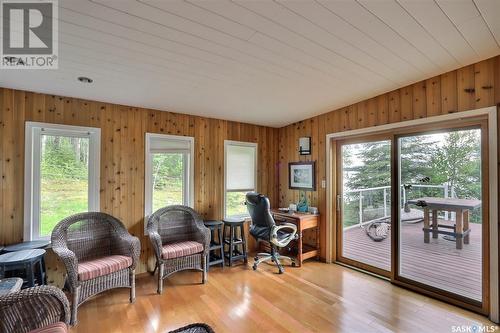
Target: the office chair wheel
pixel 256 258
pixel 254 267
pixel 281 270
pixel 294 264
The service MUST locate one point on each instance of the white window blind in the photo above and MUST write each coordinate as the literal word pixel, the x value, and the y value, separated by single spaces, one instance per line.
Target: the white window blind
pixel 240 176
pixel 240 167
pixel 161 144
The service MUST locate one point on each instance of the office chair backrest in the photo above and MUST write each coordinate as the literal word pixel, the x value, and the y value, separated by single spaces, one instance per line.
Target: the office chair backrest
pixel 259 209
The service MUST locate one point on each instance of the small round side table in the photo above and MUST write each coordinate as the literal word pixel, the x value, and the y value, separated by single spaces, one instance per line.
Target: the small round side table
pixel 25 260
pixel 39 244
pixel 31 245
pixel 10 285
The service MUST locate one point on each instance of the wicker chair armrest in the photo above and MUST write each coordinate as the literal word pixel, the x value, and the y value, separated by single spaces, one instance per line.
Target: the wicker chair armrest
pixel 202 234
pixel 130 246
pixel 156 242
pixel 33 308
pixel 205 239
pixel 70 261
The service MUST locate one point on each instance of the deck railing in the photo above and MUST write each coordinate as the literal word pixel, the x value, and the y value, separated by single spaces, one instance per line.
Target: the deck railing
pixel 448 192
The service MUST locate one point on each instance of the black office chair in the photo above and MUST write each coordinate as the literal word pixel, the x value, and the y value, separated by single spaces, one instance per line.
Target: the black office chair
pixel 264 228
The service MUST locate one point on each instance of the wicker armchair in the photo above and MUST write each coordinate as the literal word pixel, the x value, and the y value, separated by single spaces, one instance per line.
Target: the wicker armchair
pixel 42 307
pixel 99 254
pixel 180 241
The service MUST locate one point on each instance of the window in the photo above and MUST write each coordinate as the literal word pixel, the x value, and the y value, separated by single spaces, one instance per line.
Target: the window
pixel 61 175
pixel 240 177
pixel 169 171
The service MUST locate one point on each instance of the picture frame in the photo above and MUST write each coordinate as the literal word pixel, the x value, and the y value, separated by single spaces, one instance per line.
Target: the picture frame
pixel 302 176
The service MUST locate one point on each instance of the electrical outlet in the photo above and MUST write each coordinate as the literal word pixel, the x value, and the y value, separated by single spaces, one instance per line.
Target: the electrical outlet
pixel 323 183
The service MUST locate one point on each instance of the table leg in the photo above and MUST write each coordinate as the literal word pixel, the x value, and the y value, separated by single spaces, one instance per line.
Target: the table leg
pixel 460 229
pixel 466 225
pixel 41 275
pixel 434 223
pixel 299 249
pixel 221 242
pixel 244 244
pixel 231 245
pixel 317 242
pixel 30 276
pixel 426 225
pixel 44 269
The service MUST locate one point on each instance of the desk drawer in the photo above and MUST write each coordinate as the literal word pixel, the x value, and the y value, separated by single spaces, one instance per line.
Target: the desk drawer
pixel 284 219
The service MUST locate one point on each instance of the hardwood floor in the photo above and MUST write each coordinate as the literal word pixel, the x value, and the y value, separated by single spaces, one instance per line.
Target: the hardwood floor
pixel 317 297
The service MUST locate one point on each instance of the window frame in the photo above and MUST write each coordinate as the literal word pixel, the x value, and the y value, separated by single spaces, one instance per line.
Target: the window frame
pixel 228 143
pixel 188 174
pixel 32 171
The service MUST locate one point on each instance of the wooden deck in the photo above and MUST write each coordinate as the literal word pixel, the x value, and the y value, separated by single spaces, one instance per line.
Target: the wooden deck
pixel 437 263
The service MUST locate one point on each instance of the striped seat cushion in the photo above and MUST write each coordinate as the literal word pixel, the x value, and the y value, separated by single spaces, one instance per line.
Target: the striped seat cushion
pixel 59 327
pixel 181 249
pixel 102 266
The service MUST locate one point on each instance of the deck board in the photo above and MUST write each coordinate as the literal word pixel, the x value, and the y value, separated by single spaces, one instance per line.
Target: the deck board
pixel 437 263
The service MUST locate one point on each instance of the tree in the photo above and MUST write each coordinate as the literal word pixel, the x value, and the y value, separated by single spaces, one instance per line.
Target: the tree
pixel 458 163
pixel 371 165
pixel 452 158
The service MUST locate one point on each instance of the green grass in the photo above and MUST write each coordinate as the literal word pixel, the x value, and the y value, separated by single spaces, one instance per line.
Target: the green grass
pixel 60 199
pixel 167 196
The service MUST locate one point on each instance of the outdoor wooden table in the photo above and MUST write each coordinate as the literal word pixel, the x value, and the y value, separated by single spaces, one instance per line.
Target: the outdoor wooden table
pixel 461 207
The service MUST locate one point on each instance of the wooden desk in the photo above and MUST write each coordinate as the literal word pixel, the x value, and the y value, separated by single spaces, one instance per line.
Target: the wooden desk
pixel 303 221
pixel 462 207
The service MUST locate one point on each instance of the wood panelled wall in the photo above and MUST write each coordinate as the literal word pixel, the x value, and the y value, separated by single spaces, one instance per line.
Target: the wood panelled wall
pixel 122 157
pixel 467 88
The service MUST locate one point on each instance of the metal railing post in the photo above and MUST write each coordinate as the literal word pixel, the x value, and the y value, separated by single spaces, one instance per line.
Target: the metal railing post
pixel 360 207
pixel 445 188
pixel 404 195
pixel 385 202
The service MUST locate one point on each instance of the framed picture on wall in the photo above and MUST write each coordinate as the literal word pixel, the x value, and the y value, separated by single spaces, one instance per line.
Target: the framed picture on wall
pixel 301 176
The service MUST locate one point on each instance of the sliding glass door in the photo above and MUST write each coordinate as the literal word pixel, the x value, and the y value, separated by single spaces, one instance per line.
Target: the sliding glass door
pixel 442 221
pixel 364 204
pixel 412 206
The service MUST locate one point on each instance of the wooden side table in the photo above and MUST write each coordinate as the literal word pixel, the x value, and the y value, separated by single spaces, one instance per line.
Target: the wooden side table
pixel 25 260
pixel 10 285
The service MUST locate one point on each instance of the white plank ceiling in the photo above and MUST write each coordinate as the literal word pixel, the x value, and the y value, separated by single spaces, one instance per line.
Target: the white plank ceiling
pixel 261 62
